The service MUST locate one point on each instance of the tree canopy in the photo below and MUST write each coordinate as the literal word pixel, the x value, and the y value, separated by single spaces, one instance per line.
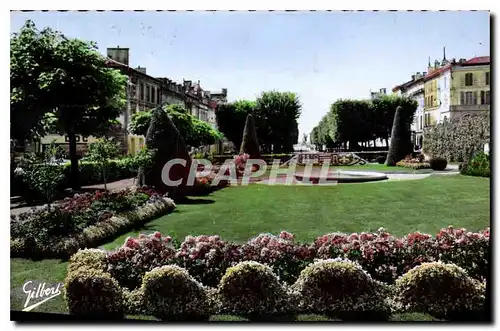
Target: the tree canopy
pixel 195 132
pixel 61 85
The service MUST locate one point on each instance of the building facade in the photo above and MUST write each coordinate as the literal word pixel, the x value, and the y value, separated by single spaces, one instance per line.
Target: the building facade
pixel 448 90
pixel 145 92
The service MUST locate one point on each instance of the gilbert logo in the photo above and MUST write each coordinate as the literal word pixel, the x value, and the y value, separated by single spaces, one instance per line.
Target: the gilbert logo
pixel 38 293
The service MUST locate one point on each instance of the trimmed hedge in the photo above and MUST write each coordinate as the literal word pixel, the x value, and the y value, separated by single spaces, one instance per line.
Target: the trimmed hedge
pixel 441 290
pixel 336 287
pixel 438 163
pixel 341 288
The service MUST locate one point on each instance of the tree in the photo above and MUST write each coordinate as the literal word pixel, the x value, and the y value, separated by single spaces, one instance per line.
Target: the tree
pixel 396 152
pixel 194 131
pixel 277 114
pixel 43 174
pixel 101 152
pixel 231 119
pixel 250 144
pixel 166 143
pixel 74 84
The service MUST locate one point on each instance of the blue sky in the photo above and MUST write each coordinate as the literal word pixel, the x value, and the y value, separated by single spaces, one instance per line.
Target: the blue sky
pixel 321 56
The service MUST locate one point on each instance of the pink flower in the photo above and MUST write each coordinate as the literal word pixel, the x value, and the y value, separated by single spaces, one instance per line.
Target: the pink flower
pixel 398 243
pixel 286 235
pixel 157 234
pixel 131 243
pixel 167 239
pixel 353 236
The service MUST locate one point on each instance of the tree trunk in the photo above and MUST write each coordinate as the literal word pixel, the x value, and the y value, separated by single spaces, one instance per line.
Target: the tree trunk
pixel 104 178
pixel 74 173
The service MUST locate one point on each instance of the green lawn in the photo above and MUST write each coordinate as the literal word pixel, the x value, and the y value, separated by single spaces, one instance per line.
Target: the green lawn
pixel 239 213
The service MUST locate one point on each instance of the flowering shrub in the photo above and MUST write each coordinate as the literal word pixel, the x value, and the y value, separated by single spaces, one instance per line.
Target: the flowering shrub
pixel 170 293
pixel 130 262
pixel 251 289
pixel 93 293
pixel 280 252
pixel 438 289
pixel 81 221
pixel 207 257
pixel 240 162
pixel 338 286
pixel 386 257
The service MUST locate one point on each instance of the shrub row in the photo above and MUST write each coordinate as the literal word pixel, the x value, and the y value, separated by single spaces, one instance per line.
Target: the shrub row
pixel 339 288
pixel 86 220
pixel 382 255
pixel 90 174
pixel 478 166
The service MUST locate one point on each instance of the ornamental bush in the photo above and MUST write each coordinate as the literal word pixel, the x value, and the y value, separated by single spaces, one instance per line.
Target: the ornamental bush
pixel 129 263
pixel 478 166
pixel 438 163
pixel 88 259
pixel 439 289
pixel 170 293
pixel 251 289
pixel 93 294
pixel 341 288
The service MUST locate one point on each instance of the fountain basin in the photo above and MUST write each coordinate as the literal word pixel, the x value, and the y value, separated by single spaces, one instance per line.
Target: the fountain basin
pixel 342 177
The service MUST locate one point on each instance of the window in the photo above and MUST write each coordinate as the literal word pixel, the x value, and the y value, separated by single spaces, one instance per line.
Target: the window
pixel 487 97
pixel 158 97
pixel 474 98
pixel 141 90
pixel 153 94
pixel 469 98
pixel 432 101
pixel 421 120
pixel 148 94
pixel 487 78
pixel 468 79
pixel 462 98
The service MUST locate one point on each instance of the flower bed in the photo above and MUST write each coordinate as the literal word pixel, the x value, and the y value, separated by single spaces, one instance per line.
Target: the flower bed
pixel 382 255
pixel 85 220
pixel 415 163
pixel 337 287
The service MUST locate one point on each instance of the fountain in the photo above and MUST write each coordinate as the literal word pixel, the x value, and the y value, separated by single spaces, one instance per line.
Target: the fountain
pixel 340 177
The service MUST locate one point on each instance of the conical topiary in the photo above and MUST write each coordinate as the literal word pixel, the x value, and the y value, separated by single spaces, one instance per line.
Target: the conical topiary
pixel 396 144
pixel 166 143
pixel 250 143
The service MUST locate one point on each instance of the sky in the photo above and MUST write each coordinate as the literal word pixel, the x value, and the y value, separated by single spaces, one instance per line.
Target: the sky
pixel 320 56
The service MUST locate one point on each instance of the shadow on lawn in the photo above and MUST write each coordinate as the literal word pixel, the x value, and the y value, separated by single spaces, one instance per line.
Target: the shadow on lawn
pixel 197 201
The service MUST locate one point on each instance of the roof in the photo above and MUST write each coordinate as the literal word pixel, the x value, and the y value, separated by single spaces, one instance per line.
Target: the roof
pixel 477 60
pixel 113 63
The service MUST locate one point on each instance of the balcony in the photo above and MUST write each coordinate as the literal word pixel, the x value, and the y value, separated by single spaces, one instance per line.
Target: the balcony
pixel 470 108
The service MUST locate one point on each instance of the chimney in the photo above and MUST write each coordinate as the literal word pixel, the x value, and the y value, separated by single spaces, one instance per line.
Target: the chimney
pixel 436 64
pixel 383 91
pixel 224 92
pixel 461 61
pixel 413 77
pixel 143 70
pixel 424 74
pixel 119 54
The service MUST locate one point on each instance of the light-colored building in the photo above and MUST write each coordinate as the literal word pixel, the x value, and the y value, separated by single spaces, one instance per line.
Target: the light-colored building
pixel 447 90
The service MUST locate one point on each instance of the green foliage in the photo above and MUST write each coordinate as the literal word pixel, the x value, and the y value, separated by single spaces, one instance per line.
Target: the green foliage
pixel 339 286
pixel 101 152
pixel 166 143
pixel 251 289
pixel 231 119
pixel 276 115
pixel 42 174
pixel 66 77
pixel 93 294
pixel 87 259
pixel 438 163
pixel 194 131
pixel 250 143
pixel 438 289
pixel 357 121
pixel 457 139
pixel 171 293
pixel 479 166
pixel 396 150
